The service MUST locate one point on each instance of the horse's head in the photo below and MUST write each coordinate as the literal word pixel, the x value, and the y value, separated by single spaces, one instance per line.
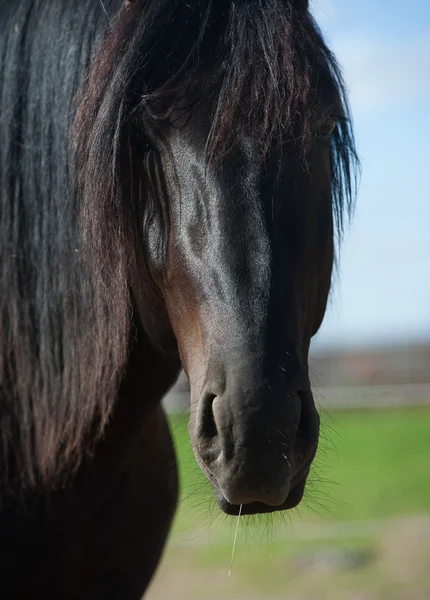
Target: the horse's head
pixel 239 163
pixel 246 279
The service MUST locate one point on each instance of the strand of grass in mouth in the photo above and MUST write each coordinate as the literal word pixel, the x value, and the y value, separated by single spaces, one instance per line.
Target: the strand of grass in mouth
pixel 235 539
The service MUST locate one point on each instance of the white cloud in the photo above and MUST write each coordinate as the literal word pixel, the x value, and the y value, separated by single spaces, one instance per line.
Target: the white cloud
pixel 384 73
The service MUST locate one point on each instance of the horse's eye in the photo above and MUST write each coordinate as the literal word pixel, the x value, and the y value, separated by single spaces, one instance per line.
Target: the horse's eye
pixel 327 129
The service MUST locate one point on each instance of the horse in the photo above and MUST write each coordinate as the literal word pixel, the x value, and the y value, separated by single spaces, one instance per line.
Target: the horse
pixel 174 178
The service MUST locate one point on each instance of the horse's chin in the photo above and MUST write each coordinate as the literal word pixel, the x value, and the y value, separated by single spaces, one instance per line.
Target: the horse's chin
pixel 260 508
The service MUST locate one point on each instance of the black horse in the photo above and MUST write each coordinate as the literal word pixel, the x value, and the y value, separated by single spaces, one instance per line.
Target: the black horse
pixel 171 176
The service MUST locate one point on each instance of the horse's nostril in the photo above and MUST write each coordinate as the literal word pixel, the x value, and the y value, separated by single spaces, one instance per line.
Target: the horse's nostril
pixel 208 424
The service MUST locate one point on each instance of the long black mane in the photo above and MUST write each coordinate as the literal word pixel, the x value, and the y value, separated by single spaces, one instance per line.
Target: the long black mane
pixel 63 342
pixel 72 255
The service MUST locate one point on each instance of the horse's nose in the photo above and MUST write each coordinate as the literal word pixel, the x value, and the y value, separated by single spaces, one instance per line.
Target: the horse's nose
pixel 253 445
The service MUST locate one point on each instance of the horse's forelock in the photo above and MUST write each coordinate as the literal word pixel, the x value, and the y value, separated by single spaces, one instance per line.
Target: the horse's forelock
pixel 267 55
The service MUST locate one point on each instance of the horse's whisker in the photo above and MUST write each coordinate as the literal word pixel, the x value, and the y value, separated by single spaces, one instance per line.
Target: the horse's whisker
pixel 235 539
pixel 288 462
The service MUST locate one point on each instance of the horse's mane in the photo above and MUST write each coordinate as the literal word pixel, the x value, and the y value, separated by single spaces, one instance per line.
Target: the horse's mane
pixel 67 278
pixel 63 339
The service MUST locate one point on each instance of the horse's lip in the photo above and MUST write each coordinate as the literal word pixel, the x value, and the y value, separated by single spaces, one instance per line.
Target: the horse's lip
pixel 253 508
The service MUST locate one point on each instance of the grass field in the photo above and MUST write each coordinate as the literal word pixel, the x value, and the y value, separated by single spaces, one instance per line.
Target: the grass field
pixel 363 531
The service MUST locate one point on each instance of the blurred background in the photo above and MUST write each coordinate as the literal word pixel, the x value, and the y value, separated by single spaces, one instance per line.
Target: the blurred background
pixel 363 530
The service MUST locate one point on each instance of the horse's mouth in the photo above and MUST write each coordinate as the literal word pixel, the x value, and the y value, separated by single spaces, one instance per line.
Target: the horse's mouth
pixel 293 499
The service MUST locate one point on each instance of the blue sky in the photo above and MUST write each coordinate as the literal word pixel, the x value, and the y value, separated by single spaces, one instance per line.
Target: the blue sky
pixel 383 292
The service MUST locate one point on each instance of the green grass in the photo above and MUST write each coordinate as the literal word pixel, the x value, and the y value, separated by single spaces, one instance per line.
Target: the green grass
pixel 382 465
pixel 371 464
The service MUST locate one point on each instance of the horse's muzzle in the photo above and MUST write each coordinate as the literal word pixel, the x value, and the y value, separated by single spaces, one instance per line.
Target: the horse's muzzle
pixel 292 500
pixel 256 450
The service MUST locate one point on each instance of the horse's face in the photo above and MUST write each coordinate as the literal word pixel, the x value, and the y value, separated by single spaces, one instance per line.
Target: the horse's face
pixel 250 257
